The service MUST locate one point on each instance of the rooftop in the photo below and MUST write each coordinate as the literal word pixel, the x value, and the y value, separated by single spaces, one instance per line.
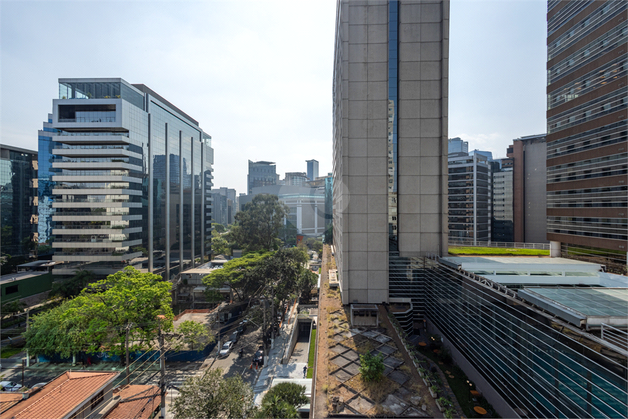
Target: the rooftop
pixel 135 401
pixel 588 307
pixel 62 396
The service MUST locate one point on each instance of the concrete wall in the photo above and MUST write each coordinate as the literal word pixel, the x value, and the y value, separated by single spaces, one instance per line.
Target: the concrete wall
pixel 361 200
pixel 535 192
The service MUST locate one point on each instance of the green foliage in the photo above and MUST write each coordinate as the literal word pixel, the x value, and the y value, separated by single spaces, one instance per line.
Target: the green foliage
pixel 311 354
pixel 274 407
pixel 291 393
pixel 259 223
pixel 219 227
pixel 12 307
pixel 315 245
pixel 288 233
pixel 219 245
pixel 460 250
pixel 195 334
pixel 450 413
pixel 8 352
pixel 210 395
pixel 72 287
pixel 140 249
pixel 99 318
pixel 372 367
pixel 237 273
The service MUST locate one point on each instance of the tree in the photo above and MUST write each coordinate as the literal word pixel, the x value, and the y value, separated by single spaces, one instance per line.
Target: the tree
pixel 315 245
pixel 259 223
pixel 195 334
pixel 219 245
pixel 73 286
pixel 238 274
pixel 212 396
pixel 274 407
pixel 219 228
pixel 329 234
pixel 371 367
pixel 108 315
pixel 291 393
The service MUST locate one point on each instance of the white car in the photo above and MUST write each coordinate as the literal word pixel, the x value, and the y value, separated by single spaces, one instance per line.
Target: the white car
pixel 226 349
pixel 10 386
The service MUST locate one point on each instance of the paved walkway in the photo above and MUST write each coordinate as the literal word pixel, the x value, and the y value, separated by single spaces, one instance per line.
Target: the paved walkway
pixel 300 353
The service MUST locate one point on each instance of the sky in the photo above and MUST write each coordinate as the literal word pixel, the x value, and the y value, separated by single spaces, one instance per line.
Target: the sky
pixel 257 75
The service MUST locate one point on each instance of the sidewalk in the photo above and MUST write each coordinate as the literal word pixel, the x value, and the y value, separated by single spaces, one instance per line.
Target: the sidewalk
pixel 273 367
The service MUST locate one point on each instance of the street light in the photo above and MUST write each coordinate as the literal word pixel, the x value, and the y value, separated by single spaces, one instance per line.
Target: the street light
pixel 470 386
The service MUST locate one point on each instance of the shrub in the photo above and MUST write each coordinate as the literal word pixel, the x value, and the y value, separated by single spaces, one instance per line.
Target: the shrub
pixel 372 367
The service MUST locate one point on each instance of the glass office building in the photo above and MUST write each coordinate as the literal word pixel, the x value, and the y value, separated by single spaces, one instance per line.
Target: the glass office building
pixel 526 343
pixel 128 180
pixel 587 125
pixel 18 200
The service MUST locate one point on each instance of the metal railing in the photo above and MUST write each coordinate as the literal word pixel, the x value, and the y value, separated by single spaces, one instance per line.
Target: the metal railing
pixel 615 336
pixel 510 245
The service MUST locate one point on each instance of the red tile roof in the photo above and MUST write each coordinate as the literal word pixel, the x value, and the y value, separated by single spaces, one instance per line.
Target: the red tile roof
pixel 62 395
pixel 8 400
pixel 136 401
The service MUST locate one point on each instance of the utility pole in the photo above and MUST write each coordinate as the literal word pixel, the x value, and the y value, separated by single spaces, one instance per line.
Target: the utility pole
pixel 162 375
pixel 264 331
pixel 126 345
pixel 28 358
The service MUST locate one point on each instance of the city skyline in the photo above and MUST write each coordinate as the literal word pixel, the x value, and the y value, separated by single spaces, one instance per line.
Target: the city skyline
pixel 231 70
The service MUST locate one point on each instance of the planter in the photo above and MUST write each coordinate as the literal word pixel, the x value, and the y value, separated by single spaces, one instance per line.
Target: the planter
pixel 440 408
pixel 426 383
pixel 433 393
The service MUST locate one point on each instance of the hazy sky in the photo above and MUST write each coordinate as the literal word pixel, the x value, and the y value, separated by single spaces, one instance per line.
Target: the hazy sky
pixel 257 75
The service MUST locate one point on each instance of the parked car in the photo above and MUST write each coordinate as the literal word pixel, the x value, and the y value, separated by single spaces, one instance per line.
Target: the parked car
pixel 242 326
pixel 226 349
pixel 259 357
pixel 38 385
pixel 10 386
pixel 235 336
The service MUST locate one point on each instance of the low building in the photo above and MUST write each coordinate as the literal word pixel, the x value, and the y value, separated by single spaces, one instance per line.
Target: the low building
pixel 73 394
pixel 133 401
pixel 24 284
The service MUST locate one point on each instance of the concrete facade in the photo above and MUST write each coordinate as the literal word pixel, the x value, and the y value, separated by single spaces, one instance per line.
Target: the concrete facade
pixel 390 139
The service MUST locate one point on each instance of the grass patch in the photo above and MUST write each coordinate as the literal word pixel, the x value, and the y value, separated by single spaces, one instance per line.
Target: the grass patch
pixel 497 251
pixel 8 352
pixel 310 355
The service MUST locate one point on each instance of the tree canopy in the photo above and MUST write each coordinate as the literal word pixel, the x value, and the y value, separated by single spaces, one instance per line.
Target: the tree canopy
pixel 72 287
pixel 259 223
pixel 209 395
pixel 282 401
pixel 100 317
pixel 282 274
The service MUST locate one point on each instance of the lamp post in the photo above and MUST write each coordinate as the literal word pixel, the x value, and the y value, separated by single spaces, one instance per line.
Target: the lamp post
pixel 470 386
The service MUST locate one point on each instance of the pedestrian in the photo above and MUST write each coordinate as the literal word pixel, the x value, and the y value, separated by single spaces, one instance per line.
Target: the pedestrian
pixel 305 371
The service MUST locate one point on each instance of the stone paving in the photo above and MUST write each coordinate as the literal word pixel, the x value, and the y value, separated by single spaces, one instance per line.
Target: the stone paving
pixel 345 362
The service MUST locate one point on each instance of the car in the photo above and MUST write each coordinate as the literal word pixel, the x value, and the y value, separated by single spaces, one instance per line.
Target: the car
pixel 226 349
pixel 259 357
pixel 242 326
pixel 10 386
pixel 38 385
pixel 234 337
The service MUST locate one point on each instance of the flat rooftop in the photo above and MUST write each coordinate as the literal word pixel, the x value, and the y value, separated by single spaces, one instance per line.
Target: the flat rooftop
pixel 533 271
pixel 588 307
pixel 20 275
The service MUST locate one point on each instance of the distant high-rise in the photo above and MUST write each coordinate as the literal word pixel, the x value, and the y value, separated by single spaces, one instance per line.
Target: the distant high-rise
pixel 529 176
pixel 390 144
pixel 312 169
pixel 127 175
pixel 261 173
pixel 470 195
pixel 18 201
pixel 456 145
pixel 296 178
pixel 587 124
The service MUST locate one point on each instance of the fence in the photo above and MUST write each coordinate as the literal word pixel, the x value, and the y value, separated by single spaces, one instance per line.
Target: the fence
pixel 509 245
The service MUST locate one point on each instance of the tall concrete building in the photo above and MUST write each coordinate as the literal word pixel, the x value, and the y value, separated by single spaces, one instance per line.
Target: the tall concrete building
pixel 587 121
pixel 261 173
pixel 312 169
pixel 390 144
pixel 456 145
pixel 529 177
pixel 129 176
